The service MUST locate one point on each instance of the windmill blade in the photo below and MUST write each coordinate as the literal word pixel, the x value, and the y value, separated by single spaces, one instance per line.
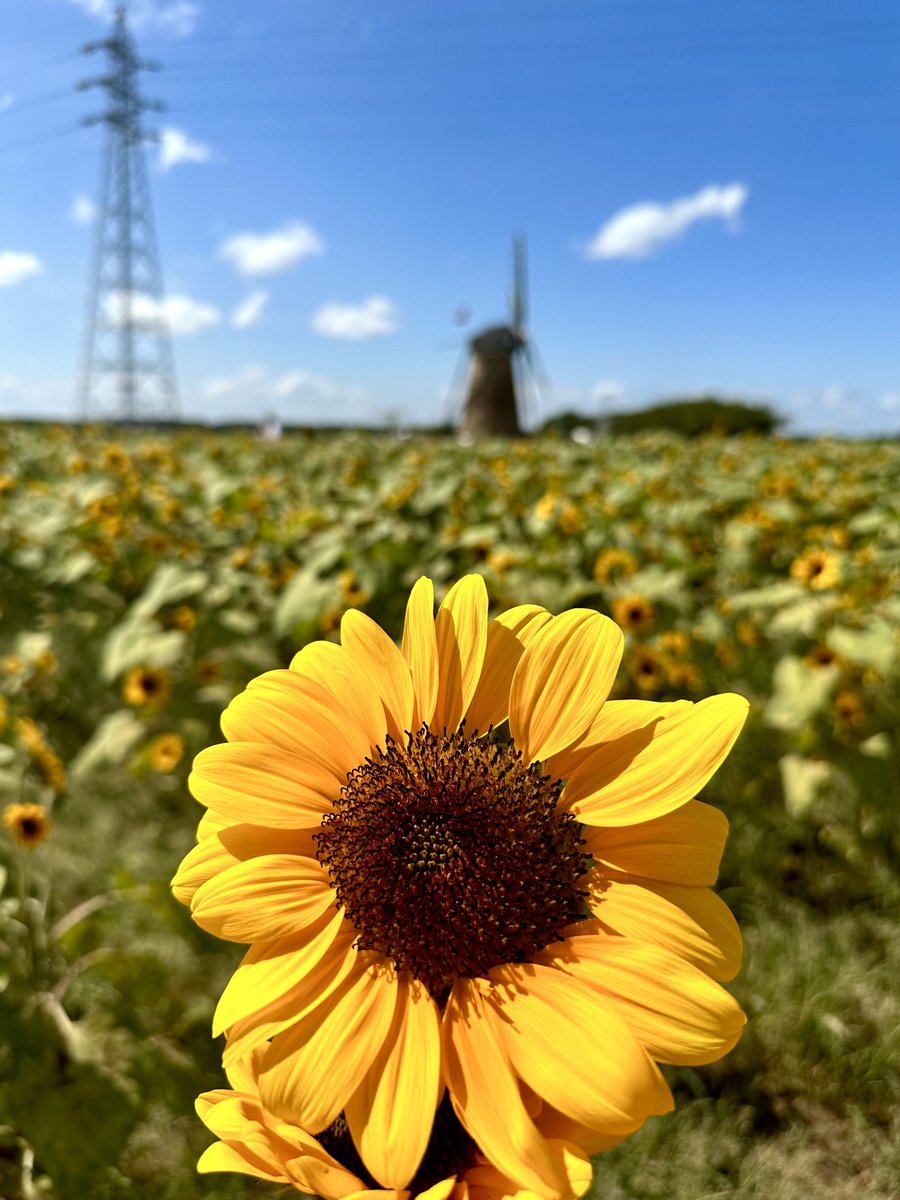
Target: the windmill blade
pixel 453 403
pixel 519 305
pixel 539 371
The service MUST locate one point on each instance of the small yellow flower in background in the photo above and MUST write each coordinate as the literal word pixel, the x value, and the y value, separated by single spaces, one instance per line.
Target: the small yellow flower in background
pixel 633 612
pixel 28 823
pixel 166 751
pixel 4 713
pixel 849 707
pixel 523 926
pixel 208 670
pixel 647 669
pixel 184 617
pixel 614 563
pixel 820 656
pixel 146 685
pixel 819 568
pixel 747 632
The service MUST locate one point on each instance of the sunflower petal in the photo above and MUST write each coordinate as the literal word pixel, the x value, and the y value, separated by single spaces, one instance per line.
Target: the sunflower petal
pixel 318 1174
pixel 284 709
pixel 507 636
pixel 614 720
pixel 675 1010
pixel 684 846
pixel 653 770
pixel 419 648
pixel 690 921
pixel 571 1045
pixel 375 654
pixel 263 899
pixel 231 845
pixel 390 1114
pixel 354 693
pixel 461 632
pixel 269 970
pixel 487 1183
pixel 241 781
pixel 562 680
pixel 486 1097
pixel 247 1158
pixel 312 1069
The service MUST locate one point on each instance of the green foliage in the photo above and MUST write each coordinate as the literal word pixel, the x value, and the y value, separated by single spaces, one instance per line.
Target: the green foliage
pixel 698 415
pixel 214 557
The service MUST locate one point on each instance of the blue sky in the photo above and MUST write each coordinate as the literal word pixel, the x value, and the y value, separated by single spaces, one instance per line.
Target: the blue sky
pixel 709 190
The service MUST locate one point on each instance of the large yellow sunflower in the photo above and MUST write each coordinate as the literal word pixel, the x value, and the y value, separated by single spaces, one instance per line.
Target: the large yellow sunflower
pixel 526 923
pixel 252 1141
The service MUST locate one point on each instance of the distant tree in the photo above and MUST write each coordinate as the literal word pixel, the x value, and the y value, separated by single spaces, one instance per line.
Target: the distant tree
pixel 694 415
pixel 563 423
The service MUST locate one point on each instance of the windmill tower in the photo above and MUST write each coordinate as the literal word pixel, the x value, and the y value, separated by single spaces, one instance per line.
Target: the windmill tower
pixel 128 372
pixel 496 383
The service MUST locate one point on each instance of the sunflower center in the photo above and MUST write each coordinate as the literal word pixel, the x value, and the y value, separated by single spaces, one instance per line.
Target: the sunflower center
pixel 450 856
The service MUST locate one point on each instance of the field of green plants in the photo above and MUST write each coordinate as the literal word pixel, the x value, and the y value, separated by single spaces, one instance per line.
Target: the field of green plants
pixel 146 577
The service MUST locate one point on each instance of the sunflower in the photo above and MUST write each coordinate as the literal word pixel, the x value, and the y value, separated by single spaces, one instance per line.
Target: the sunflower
pixel 166 751
pixel 525 922
pixel 28 823
pixel 633 612
pixel 254 1142
pixel 820 569
pixel 146 685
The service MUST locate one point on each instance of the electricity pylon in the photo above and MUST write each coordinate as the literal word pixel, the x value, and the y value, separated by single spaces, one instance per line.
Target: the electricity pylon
pixel 128 372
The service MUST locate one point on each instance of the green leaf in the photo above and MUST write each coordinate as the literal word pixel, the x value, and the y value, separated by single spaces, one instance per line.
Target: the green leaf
pixel 799 693
pixel 114 737
pixel 802 780
pixel 169 584
pixel 140 644
pixel 874 647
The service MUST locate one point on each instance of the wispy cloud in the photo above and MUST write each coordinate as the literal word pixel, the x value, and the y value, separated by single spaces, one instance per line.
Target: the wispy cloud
pixel 256 383
pixel 302 384
pixel 84 210
pixel 640 230
pixel 607 391
pixel 175 146
pixel 6 100
pixel 180 314
pixel 15 265
pixel 375 317
pixel 248 378
pixel 270 253
pixel 889 401
pixel 250 309
pixel 175 18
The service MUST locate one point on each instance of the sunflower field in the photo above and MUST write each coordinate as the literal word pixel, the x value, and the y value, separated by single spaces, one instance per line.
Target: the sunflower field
pixel 145 578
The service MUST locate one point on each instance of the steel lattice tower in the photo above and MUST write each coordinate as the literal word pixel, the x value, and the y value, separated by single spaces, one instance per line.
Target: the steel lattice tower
pixel 128 371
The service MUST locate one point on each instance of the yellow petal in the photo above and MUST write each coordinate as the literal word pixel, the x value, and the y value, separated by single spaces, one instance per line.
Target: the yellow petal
pixel 312 1069
pixel 486 1097
pixel 231 845
pixel 562 680
pixel 252 1158
pixel 248 1035
pixel 390 1114
pixel 690 921
pixel 684 846
pixel 282 708
pixel 265 898
pixel 439 1191
pixel 653 770
pixel 419 647
pixel 507 636
pixel 571 1045
pixel 318 1174
pixel 675 1010
pixel 375 654
pixel 265 785
pixel 487 1183
pixel 268 971
pixel 554 1124
pixel 461 632
pixel 614 720
pixel 354 693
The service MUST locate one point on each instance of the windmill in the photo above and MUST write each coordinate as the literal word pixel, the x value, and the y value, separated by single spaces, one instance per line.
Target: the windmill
pixel 496 381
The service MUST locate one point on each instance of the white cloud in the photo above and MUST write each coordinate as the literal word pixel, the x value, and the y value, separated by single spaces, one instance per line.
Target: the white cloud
pixel 175 146
pixel 219 386
pixel 303 384
pixel 181 314
pixel 250 309
pixel 638 231
pixel 8 381
pixel 84 210
pixel 6 100
pixel 607 391
pixel 178 18
pixel 889 401
pixel 834 396
pixel 375 317
pixel 16 266
pixel 269 253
